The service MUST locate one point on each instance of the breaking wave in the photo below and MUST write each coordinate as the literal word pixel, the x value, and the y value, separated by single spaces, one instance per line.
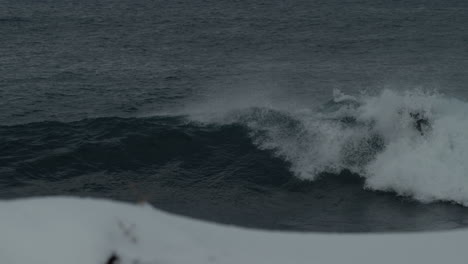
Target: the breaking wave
pixel 413 143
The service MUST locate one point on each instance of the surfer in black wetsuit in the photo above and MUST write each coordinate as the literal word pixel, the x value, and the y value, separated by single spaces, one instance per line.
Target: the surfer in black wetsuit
pixel 421 123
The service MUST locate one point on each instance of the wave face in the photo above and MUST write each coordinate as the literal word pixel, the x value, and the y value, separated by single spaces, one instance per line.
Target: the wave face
pixel 413 143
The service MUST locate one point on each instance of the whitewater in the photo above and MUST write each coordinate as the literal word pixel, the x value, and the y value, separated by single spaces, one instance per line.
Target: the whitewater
pixel 413 143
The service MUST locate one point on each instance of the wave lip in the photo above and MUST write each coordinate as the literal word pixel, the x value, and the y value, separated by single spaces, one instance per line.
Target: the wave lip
pixel 413 143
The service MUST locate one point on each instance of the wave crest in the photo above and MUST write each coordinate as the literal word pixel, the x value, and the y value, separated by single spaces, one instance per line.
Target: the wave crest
pixel 413 143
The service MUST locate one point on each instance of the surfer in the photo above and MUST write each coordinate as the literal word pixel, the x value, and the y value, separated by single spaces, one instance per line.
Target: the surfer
pixel 421 123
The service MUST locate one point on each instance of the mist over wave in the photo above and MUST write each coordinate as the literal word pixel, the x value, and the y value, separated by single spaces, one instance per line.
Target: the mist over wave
pixel 411 142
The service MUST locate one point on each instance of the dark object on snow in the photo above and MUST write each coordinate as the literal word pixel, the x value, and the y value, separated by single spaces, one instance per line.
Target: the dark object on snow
pixel 421 123
pixel 113 259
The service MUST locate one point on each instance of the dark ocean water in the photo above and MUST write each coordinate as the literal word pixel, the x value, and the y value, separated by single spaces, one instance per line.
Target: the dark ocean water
pixel 202 108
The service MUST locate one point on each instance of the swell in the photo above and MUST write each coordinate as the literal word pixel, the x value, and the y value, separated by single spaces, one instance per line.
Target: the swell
pixel 54 151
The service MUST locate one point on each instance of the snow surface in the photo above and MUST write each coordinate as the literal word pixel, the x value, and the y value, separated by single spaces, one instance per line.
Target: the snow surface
pixel 88 231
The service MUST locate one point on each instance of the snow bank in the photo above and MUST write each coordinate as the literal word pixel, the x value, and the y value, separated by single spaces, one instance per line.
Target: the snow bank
pixel 88 231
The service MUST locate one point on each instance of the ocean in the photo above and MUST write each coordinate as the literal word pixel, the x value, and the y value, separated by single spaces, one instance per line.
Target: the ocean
pixel 326 116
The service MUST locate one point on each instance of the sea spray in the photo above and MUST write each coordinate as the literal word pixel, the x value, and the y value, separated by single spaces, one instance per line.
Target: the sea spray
pixel 413 143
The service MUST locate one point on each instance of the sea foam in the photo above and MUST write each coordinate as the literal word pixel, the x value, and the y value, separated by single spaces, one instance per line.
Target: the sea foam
pixel 413 143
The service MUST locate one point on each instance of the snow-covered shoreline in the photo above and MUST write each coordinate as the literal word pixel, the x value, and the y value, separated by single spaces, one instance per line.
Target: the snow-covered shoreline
pixel 86 231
